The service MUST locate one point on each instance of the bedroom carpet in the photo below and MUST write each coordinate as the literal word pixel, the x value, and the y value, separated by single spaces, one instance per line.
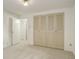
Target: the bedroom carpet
pixel 35 52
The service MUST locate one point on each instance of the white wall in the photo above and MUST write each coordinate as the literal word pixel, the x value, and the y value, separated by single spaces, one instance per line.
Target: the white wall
pixel 69 30
pixel 6 38
pixel 69 36
pixel 73 29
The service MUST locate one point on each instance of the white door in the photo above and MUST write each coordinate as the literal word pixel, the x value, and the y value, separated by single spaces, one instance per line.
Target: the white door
pixel 16 31
pixel 23 29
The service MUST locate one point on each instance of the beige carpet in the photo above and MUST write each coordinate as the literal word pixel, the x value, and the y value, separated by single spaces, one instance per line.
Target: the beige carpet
pixel 35 52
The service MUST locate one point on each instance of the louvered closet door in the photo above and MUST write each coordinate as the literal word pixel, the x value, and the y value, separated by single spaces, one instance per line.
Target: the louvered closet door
pixel 36 30
pixel 43 30
pixel 59 33
pixel 39 30
pixel 48 30
pixel 55 31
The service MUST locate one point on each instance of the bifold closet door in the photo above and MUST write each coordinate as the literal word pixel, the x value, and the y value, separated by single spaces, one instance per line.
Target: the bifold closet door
pixel 40 30
pixel 43 30
pixel 36 30
pixel 55 31
pixel 49 30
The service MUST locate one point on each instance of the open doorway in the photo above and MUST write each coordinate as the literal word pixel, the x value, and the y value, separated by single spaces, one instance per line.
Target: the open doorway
pixel 17 30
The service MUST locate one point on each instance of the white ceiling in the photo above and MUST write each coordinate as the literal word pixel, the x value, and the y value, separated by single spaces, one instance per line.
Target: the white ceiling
pixel 16 6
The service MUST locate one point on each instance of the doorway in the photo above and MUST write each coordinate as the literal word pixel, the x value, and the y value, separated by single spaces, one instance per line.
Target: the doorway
pixel 17 30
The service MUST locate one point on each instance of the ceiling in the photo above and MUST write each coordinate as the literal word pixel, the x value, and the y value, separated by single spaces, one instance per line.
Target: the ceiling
pixel 16 6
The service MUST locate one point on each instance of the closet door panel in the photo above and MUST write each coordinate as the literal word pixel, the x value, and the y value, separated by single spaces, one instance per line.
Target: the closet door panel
pixel 37 38
pixel 36 23
pixel 43 30
pixel 50 39
pixel 59 30
pixel 57 40
pixel 39 33
pixel 50 22
pixel 43 39
pixel 60 22
pixel 36 30
pixel 43 25
pixel 55 31
pixel 40 38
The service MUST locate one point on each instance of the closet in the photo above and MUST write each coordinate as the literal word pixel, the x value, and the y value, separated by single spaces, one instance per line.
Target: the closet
pixel 49 30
